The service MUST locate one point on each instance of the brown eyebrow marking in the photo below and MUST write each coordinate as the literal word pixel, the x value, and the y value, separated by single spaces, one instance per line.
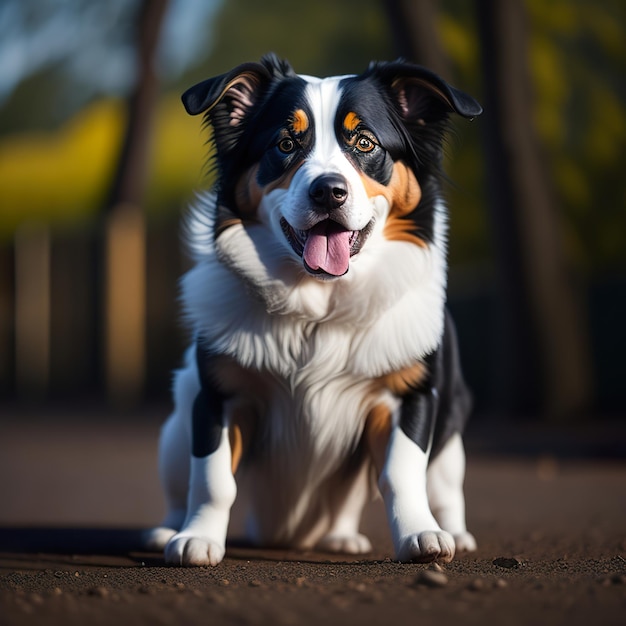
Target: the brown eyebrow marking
pixel 351 121
pixel 299 121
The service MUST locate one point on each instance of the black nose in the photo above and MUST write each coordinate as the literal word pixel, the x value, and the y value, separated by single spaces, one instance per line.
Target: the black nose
pixel 329 191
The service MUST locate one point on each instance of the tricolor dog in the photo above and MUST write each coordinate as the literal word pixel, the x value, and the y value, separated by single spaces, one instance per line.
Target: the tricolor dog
pixel 324 366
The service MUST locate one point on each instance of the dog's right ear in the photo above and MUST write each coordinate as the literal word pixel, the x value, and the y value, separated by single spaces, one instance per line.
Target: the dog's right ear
pixel 227 99
pixel 237 87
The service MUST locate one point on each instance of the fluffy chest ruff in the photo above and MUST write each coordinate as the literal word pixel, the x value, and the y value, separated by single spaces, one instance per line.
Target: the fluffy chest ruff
pixel 317 303
pixel 304 391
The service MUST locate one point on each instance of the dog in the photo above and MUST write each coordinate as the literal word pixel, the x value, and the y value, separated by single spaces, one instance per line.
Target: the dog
pixel 324 364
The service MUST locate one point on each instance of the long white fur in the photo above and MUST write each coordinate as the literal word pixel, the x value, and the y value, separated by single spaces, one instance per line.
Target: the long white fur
pixel 317 346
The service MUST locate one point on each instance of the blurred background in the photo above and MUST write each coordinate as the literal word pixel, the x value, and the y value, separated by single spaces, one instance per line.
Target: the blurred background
pixel 98 161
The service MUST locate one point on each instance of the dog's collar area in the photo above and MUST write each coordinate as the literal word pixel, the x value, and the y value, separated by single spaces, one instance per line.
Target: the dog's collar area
pixel 327 247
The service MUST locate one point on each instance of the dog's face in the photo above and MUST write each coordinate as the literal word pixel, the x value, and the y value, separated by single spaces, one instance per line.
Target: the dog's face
pixel 325 163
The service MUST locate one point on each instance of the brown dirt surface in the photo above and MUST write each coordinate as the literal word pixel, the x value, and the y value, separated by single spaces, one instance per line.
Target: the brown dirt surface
pixel 550 524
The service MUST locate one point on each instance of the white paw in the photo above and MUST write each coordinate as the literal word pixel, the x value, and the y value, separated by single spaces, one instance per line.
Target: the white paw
pixel 155 539
pixel 189 551
pixel 465 542
pixel 349 544
pixel 427 546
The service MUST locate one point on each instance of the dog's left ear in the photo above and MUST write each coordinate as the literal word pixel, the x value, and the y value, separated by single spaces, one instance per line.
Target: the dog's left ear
pixel 422 95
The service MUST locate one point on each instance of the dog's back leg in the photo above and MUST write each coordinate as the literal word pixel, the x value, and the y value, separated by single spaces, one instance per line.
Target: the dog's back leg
pixel 174 454
pixel 174 473
pixel 446 471
pixel 344 535
pixel 445 492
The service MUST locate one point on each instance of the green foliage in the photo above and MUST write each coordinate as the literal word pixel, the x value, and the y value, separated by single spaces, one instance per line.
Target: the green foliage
pixel 322 38
pixel 578 61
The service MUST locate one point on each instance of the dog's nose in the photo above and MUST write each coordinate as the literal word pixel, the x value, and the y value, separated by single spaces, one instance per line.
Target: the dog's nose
pixel 329 191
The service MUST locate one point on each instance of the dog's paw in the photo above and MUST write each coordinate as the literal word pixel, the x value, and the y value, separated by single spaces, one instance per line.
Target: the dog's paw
pixel 465 542
pixel 427 546
pixel 155 539
pixel 188 551
pixel 349 544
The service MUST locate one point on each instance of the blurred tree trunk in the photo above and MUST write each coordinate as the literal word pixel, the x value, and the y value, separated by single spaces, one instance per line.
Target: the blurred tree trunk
pixel 543 345
pixel 124 306
pixel 414 33
pixel 131 171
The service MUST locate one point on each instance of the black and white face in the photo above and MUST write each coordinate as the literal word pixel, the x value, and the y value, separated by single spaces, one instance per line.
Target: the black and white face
pixel 326 177
pixel 326 162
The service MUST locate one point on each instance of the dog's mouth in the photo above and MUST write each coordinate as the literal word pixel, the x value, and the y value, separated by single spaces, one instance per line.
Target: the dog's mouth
pixel 326 248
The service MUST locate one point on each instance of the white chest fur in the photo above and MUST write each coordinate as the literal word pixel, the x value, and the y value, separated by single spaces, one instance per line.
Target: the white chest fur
pixel 249 301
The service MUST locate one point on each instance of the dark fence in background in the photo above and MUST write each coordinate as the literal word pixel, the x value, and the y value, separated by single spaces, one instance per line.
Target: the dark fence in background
pixel 68 333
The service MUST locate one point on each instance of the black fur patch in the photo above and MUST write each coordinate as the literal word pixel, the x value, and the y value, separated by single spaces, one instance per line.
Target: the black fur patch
pixel 271 126
pixel 441 405
pixel 208 408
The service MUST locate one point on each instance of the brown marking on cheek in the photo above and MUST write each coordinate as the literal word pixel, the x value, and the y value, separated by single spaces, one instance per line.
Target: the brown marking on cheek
pixel 284 182
pixel 402 381
pixel 406 191
pixel 373 189
pixel 248 192
pixel 404 195
pixel 300 122
pixel 398 229
pixel 377 434
pixel 403 192
pixel 351 121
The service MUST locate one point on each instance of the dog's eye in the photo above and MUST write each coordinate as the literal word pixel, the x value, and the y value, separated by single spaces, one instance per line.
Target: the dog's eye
pixel 364 144
pixel 287 145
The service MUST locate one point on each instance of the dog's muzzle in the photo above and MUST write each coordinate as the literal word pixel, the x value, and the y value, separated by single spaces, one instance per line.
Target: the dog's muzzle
pixel 326 249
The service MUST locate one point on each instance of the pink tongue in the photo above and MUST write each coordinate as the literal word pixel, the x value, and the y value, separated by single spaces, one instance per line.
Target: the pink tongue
pixel 328 248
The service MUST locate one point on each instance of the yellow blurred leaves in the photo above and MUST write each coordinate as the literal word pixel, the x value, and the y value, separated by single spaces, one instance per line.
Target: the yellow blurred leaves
pixel 458 41
pixel 179 157
pixel 551 86
pixel 62 176
pixel 606 143
pixel 51 176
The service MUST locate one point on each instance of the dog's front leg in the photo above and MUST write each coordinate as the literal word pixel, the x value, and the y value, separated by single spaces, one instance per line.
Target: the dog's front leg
pixel 212 490
pixel 212 487
pixel 402 481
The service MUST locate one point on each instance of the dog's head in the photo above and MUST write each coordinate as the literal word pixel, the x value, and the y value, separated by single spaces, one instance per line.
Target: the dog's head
pixel 327 163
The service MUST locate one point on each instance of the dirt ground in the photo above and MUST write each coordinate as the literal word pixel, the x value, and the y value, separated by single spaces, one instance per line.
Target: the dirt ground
pixel 548 511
